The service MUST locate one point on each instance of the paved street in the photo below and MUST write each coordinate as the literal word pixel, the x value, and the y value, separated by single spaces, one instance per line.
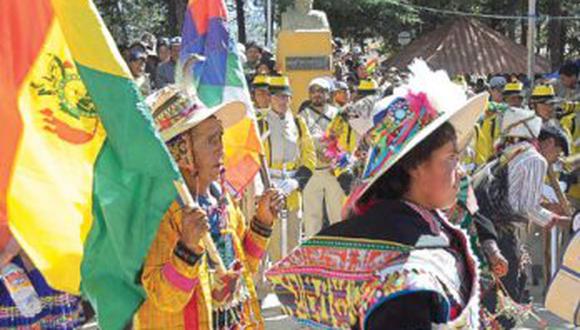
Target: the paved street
pixel 276 321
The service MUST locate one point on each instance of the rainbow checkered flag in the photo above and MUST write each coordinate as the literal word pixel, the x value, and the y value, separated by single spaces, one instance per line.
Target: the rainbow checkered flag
pixel 219 79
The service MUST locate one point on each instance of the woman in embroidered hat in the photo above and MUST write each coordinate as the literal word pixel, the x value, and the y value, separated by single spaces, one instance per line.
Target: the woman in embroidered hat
pixel 396 262
pixel 185 289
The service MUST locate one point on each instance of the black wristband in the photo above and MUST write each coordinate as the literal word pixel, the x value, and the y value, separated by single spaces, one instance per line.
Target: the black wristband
pixel 260 229
pixel 185 254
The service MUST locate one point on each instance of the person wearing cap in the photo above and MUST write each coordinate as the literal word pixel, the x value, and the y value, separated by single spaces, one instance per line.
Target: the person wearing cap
pixel 291 158
pixel 365 88
pixel 347 137
pixel 496 87
pixel 509 191
pixel 542 102
pixel 570 122
pixel 261 94
pixel 513 94
pixel 166 71
pixel 323 194
pixel 137 62
pixel 396 262
pixel 184 289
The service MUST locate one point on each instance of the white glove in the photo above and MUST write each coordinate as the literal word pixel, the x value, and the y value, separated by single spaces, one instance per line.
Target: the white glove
pixel 288 186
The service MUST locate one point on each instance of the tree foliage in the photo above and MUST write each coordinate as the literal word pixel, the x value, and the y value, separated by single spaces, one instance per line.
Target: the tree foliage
pixel 359 20
pixel 128 19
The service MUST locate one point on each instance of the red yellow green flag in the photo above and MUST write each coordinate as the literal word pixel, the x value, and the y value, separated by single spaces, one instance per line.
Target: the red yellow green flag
pixel 84 178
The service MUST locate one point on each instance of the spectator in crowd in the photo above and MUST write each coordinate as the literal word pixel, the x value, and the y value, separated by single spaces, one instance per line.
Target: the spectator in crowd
pixel 137 61
pixel 166 70
pixel 253 57
pixel 340 95
pixel 567 85
pixel 163 50
pixel 266 67
pixel 149 40
pixel 496 86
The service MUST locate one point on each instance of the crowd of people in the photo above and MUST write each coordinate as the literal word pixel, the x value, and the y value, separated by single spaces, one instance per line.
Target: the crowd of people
pixel 523 143
pixel 420 186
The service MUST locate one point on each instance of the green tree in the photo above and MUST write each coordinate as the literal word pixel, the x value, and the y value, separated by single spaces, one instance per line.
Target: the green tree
pixel 129 19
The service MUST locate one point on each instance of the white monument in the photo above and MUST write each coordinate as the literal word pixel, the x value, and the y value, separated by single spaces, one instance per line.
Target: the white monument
pixel 301 16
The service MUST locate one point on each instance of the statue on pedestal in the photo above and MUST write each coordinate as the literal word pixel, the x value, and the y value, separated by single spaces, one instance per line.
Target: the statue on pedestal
pixel 302 17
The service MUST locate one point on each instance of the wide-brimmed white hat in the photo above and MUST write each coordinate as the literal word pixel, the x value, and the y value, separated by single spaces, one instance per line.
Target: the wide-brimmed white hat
pixel 521 123
pixel 175 110
pixel 401 121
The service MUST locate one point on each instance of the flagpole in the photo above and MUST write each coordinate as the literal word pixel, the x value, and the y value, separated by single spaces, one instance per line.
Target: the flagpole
pixel 531 39
pixel 269 24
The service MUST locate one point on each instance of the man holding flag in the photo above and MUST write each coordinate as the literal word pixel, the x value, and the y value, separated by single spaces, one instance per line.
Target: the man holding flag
pixel 185 288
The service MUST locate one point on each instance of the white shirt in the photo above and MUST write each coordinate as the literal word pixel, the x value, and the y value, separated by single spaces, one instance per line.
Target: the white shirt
pixel 526 173
pixel 284 139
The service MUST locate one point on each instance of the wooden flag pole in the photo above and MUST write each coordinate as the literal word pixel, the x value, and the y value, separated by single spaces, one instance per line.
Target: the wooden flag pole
pixel 210 247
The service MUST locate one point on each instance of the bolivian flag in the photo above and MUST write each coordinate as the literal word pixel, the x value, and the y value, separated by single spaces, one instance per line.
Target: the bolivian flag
pixel 84 178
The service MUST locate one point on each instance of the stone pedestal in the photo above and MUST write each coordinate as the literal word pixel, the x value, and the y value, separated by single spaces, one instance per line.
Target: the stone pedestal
pixel 304 55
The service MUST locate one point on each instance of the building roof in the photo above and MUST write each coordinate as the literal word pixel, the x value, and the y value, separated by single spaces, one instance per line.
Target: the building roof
pixel 466 45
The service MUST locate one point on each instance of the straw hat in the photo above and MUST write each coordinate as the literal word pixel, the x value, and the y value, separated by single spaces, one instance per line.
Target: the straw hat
pixel 176 110
pixel 401 121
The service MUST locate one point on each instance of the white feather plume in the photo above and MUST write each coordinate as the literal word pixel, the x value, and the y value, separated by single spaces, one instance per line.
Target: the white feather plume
pixel 443 94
